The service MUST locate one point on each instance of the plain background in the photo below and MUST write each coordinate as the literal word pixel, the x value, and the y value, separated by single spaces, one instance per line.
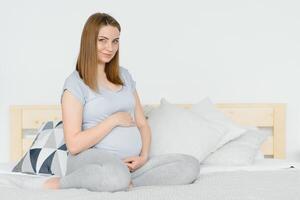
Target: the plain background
pixel 232 51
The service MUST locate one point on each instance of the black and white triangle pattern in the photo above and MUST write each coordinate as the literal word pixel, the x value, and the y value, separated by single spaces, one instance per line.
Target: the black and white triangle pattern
pixel 48 152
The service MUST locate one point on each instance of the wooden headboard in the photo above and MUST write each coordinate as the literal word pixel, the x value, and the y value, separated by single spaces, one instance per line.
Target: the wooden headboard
pixel 25 120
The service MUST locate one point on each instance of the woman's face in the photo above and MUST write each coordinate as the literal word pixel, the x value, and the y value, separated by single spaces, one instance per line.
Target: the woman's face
pixel 107 43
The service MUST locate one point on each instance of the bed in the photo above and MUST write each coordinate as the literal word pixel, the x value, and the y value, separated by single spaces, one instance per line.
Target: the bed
pixel 272 177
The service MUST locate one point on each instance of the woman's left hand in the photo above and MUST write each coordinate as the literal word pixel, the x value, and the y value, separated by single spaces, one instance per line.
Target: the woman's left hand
pixel 135 162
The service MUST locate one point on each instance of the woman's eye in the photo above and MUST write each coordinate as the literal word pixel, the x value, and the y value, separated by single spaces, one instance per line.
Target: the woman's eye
pixel 116 41
pixel 101 40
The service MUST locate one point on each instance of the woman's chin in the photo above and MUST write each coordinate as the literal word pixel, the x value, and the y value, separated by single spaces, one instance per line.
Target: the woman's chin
pixel 104 60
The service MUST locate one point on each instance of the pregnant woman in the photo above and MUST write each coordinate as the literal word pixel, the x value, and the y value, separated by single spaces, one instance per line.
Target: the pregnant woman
pixel 105 130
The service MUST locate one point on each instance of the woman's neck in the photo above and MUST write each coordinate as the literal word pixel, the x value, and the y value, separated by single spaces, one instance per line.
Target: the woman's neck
pixel 100 72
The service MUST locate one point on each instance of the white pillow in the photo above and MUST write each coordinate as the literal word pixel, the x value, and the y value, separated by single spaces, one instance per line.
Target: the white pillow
pixel 240 151
pixel 259 155
pixel 178 130
pixel 206 109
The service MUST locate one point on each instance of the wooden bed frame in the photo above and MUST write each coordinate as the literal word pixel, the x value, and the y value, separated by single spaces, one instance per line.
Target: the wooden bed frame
pixel 28 118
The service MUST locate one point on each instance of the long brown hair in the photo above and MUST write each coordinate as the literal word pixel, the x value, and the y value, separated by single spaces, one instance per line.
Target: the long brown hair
pixel 87 58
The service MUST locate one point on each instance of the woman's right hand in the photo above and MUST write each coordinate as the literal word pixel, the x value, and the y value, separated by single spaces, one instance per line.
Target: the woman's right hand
pixel 123 119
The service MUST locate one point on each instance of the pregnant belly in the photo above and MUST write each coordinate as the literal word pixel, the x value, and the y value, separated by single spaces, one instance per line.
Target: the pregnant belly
pixel 124 141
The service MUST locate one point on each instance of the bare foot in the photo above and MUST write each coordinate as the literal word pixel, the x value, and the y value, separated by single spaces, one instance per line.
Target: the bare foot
pixel 52 183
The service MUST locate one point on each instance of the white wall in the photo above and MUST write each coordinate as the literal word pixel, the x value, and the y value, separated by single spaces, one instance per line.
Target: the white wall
pixel 232 51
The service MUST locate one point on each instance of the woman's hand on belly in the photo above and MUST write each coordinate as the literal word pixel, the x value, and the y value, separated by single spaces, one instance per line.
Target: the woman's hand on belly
pixel 123 119
pixel 135 162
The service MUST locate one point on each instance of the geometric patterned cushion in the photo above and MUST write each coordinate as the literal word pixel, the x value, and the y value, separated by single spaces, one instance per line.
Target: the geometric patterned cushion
pixel 48 152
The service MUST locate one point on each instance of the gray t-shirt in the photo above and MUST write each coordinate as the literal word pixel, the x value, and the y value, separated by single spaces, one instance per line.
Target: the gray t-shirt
pixel 97 106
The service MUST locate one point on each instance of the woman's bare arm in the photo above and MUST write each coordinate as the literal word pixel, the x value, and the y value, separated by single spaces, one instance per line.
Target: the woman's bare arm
pixel 77 140
pixel 143 126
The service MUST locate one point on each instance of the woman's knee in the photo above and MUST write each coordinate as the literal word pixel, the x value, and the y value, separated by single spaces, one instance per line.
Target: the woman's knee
pixel 168 169
pixel 106 177
pixel 190 166
pixel 119 177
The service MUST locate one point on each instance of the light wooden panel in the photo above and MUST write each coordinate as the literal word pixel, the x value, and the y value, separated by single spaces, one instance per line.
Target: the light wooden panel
pixel 262 117
pixel 16 144
pixel 33 117
pixel 268 146
pixel 279 131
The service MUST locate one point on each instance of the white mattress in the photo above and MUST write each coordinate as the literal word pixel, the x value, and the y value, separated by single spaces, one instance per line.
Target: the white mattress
pixel 214 183
pixel 258 165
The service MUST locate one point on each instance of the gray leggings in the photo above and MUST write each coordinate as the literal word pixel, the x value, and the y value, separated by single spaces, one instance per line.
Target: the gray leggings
pixel 102 171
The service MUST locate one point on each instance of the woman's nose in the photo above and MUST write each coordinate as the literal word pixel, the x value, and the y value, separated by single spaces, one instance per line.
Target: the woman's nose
pixel 109 46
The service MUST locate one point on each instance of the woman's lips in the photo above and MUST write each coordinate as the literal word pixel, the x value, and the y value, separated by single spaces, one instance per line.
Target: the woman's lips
pixel 108 55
